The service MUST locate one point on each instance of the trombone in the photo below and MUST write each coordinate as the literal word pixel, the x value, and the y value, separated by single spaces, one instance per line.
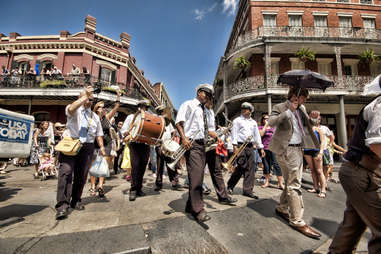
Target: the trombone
pixel 227 166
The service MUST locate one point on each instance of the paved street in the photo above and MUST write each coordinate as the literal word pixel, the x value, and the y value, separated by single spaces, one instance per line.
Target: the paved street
pixel 157 223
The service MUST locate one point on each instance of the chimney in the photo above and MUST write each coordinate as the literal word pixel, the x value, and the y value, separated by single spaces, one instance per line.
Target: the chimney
pixel 64 34
pixel 13 35
pixel 90 24
pixel 125 40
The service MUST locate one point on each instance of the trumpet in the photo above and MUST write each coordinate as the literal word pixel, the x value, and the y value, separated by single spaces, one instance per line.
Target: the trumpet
pixel 227 166
pixel 180 152
pixel 211 143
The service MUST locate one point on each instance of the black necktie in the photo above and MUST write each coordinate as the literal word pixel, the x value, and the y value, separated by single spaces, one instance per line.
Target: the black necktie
pixel 206 133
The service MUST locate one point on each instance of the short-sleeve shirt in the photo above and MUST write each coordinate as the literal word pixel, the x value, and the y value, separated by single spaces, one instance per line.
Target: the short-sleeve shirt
pixel 192 114
pixel 243 128
pixel 327 133
pixel 372 114
pixel 73 124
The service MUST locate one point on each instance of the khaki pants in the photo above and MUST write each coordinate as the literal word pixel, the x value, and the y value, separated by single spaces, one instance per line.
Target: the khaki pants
pixel 363 189
pixel 291 201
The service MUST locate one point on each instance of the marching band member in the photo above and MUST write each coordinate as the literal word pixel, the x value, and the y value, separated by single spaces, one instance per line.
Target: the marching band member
pixel 139 155
pixel 214 164
pixel 193 122
pixel 161 158
pixel 244 127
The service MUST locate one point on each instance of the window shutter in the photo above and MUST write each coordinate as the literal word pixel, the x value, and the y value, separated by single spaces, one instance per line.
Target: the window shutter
pixel 113 76
pixel 14 65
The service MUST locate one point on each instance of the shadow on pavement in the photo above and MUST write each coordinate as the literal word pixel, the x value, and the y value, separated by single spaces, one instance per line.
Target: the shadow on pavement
pixel 327 227
pixel 7 193
pixel 18 210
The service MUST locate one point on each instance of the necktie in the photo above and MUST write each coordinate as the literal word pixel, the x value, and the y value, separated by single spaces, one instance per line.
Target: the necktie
pixel 296 113
pixel 206 133
pixel 84 127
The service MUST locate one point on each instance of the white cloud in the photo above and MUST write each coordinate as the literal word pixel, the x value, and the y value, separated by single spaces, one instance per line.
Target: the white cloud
pixel 230 6
pixel 200 14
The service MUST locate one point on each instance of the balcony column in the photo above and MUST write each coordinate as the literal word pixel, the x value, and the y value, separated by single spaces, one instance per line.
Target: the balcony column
pixel 269 106
pixel 338 64
pixel 267 65
pixel 30 105
pixel 225 85
pixel 342 126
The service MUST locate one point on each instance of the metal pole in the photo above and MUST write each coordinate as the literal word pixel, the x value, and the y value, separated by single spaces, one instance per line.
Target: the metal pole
pixel 343 129
pixel 30 105
pixel 269 106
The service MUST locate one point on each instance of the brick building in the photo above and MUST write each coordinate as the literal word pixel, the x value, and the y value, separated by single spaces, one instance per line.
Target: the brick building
pixel 268 34
pixel 101 61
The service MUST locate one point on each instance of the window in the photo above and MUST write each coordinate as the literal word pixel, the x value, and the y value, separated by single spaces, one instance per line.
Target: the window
pixel 295 20
pixel 369 23
pixel 350 67
pixel 324 66
pixel 320 21
pixel 24 67
pixel 375 68
pixel 365 1
pixel 41 116
pixel 343 1
pixel 106 75
pixel 345 24
pixel 269 20
pixel 296 64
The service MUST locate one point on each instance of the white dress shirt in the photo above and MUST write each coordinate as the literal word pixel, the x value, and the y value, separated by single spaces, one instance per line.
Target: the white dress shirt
pixel 167 135
pixel 74 124
pixel 243 128
pixel 372 114
pixel 296 137
pixel 126 124
pixel 191 114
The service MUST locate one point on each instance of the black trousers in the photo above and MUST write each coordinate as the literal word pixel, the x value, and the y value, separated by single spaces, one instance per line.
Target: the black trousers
pixel 116 159
pixel 172 174
pixel 195 159
pixel 139 155
pixel 245 166
pixel 269 161
pixel 214 164
pixel 70 190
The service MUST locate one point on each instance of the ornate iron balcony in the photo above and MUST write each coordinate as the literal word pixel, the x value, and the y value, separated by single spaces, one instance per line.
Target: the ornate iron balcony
pixel 29 81
pixel 257 84
pixel 306 32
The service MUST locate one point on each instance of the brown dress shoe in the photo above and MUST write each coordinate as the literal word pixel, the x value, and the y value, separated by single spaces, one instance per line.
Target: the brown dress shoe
pixel 202 216
pixel 284 216
pixel 307 231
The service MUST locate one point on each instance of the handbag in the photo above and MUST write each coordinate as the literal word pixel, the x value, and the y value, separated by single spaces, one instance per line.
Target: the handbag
pixel 68 146
pixel 99 167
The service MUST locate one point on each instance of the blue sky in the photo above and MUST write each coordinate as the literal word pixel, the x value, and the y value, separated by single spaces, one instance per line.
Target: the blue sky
pixel 178 42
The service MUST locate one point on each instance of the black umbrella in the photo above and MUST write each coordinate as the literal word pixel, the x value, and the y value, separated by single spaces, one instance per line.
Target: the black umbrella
pixel 305 79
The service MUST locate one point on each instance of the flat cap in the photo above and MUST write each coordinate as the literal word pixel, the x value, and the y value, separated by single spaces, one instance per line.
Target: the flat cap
pixel 144 102
pixel 206 88
pixel 247 105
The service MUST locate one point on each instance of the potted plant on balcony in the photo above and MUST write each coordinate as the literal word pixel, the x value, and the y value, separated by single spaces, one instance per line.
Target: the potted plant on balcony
pixel 242 64
pixel 305 55
pixel 368 56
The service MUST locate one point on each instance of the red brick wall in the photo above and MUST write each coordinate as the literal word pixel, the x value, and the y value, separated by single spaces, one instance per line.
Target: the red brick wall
pixel 72 58
pixel 87 61
pixel 3 60
pixel 122 74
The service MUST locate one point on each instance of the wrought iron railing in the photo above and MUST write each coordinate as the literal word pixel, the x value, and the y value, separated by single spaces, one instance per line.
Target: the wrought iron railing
pixel 257 84
pixel 306 32
pixel 29 81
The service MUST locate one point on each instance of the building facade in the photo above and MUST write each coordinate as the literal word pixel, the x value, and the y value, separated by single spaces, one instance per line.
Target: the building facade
pixel 45 73
pixel 343 35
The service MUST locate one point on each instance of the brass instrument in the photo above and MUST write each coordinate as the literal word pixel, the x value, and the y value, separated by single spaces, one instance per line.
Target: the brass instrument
pixel 176 156
pixel 211 143
pixel 227 166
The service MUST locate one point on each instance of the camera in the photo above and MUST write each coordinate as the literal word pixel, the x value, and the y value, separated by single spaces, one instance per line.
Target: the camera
pixel 97 88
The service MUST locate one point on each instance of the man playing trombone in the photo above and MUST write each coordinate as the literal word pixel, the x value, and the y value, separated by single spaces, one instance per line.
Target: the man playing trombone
pixel 245 134
pixel 193 123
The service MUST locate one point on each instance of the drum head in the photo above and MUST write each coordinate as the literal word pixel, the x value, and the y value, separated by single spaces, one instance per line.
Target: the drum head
pixel 135 126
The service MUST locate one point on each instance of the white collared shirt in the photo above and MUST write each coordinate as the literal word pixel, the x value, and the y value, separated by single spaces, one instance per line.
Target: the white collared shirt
pixel 167 135
pixel 243 128
pixel 372 114
pixel 126 124
pixel 73 124
pixel 191 114
pixel 296 137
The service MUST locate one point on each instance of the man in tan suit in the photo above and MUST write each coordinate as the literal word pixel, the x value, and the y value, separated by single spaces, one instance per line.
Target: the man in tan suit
pixel 293 133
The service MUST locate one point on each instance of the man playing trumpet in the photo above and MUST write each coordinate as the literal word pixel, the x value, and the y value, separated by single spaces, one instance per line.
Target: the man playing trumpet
pixel 193 123
pixel 245 132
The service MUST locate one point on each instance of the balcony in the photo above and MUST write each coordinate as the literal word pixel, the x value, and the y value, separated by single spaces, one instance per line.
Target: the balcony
pixel 255 86
pixel 316 33
pixel 63 86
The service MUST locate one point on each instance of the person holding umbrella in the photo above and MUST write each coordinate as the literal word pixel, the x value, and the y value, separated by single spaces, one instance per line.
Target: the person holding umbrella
pixel 293 132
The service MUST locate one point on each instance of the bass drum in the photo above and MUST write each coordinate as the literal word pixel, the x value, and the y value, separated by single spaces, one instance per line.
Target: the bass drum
pixel 147 128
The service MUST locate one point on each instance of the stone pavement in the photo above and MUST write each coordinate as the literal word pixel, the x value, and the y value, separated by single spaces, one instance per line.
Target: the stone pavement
pixel 157 223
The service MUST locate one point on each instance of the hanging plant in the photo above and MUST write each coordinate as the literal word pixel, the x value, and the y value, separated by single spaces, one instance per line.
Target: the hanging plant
pixel 241 63
pixel 368 56
pixel 305 54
